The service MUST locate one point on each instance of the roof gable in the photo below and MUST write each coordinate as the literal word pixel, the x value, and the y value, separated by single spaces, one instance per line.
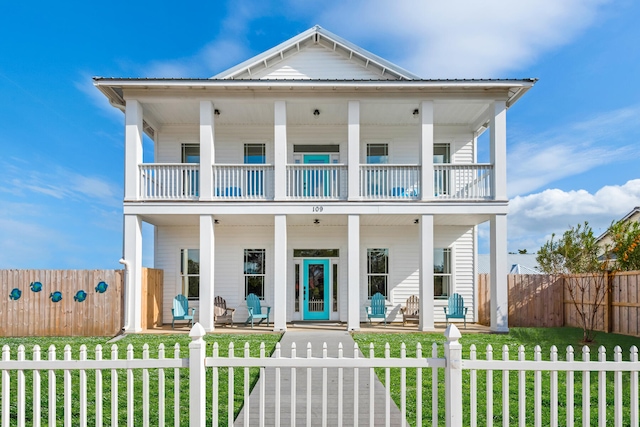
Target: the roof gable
pixel 316 54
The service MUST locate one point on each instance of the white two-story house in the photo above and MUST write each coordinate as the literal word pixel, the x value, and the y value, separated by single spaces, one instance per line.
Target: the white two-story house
pixel 315 175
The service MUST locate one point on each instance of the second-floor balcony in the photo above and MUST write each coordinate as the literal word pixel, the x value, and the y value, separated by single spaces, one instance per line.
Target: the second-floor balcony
pixel 377 182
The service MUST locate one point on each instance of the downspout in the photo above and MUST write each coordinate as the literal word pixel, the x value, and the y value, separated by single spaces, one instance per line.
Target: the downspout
pixel 127 267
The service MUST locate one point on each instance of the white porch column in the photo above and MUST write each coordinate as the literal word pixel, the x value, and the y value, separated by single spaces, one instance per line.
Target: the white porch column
pixel 498 274
pixel 280 273
pixel 426 150
pixel 280 150
pixel 132 254
pixel 132 149
pixel 425 234
pixel 498 149
pixel 353 272
pixel 353 151
pixel 207 153
pixel 207 258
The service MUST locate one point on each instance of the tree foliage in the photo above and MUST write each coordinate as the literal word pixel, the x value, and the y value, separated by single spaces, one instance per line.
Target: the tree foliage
pixel 625 245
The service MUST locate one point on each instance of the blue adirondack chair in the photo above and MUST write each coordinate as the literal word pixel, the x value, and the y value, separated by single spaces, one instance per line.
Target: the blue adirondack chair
pixel 456 309
pixel 256 311
pixel 377 309
pixel 180 310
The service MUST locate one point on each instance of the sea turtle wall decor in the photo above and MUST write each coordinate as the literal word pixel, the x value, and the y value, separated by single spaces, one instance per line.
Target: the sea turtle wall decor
pixel 15 294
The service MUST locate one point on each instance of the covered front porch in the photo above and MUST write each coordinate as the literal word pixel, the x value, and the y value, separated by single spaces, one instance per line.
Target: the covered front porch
pixel 344 243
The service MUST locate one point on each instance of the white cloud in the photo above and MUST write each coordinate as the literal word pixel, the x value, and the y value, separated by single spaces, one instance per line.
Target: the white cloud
pixel 533 218
pixel 463 38
pixel 572 149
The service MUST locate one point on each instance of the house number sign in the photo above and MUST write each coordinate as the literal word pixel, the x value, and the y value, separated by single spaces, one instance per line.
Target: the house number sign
pixel 317 209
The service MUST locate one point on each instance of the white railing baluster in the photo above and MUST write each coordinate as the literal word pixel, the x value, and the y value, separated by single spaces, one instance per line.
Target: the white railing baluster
pixel 537 388
pixel 473 390
pixel 52 389
pixel 586 389
pixel 553 379
pixel 570 390
pixel 22 403
pixel 130 389
pixel 505 388
pixel 83 387
pixel 67 387
pixel 522 387
pixel 489 382
pixel 176 388
pixel 633 386
pixel 602 389
pixel 617 388
pixel 37 405
pixel 161 385
pixel 462 181
pixel 294 386
pixel 145 388
pixel 316 182
pixel 434 387
pixel 371 388
pixel 247 389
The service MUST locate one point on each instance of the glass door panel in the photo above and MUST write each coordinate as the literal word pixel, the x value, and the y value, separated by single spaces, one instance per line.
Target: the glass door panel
pixel 316 289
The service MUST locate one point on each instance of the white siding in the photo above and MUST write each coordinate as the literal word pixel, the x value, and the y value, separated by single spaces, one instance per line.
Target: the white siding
pixel 317 62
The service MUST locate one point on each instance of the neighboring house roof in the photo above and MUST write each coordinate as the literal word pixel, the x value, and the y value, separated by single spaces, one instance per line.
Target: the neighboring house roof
pixel 634 216
pixel 325 43
pixel 516 264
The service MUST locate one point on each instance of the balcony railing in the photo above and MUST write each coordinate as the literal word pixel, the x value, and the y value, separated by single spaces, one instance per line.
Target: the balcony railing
pixel 243 182
pixel 463 182
pixel 317 182
pixel 395 182
pixel 169 181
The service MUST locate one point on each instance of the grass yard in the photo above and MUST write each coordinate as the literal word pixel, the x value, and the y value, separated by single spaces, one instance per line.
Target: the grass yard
pixel 137 341
pixel 529 338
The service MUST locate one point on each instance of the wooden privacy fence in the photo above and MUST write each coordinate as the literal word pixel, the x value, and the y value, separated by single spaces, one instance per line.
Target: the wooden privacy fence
pixel 31 307
pixel 539 300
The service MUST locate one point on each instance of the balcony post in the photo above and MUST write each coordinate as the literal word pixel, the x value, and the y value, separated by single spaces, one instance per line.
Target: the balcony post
pixel 132 149
pixel 426 150
pixel 280 150
pixel 426 273
pixel 498 149
pixel 353 150
pixel 207 152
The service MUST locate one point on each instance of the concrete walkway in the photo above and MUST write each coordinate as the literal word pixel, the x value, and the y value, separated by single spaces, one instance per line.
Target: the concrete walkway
pixel 317 338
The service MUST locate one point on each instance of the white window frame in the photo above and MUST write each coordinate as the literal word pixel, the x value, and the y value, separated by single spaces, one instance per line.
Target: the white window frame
pixel 184 276
pixel 386 274
pixel 248 275
pixel 448 275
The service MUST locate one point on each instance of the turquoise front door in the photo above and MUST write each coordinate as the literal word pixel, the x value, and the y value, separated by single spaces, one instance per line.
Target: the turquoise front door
pixel 316 182
pixel 315 297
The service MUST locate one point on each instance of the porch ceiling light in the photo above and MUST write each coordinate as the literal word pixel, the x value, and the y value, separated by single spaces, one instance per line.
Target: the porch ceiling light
pixel 316 112
pixel 316 221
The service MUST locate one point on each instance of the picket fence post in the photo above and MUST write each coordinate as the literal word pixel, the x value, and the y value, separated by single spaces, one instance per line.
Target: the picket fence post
pixel 197 377
pixel 453 377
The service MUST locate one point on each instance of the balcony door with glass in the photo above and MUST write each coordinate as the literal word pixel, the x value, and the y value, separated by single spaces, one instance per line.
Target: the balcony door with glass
pixel 316 286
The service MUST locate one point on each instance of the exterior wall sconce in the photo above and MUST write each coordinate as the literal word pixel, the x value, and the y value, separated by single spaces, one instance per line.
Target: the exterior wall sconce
pixel 416 112
pixel 316 221
pixel 216 112
pixel 416 221
pixel 316 112
pixel 215 221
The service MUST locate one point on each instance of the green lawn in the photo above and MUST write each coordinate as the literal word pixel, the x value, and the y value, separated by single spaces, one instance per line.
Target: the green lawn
pixel 529 338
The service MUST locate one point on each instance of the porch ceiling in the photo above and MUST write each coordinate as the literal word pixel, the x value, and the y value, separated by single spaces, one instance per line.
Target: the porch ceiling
pixel 187 112
pixel 308 220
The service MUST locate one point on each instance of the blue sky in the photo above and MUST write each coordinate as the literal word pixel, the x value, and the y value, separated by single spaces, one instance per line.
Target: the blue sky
pixel 573 139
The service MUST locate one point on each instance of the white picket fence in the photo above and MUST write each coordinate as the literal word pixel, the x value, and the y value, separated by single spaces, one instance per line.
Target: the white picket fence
pixel 166 398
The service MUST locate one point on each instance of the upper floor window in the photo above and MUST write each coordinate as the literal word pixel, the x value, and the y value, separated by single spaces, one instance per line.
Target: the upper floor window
pixel 254 154
pixel 254 272
pixel 190 153
pixel 441 153
pixel 377 153
pixel 441 272
pixel 378 271
pixel 190 272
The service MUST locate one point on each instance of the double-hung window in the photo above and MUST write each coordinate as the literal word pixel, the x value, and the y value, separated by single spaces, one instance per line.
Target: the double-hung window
pixel 254 272
pixel 378 271
pixel 441 177
pixel 255 154
pixel 190 175
pixel 441 272
pixel 190 272
pixel 377 182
